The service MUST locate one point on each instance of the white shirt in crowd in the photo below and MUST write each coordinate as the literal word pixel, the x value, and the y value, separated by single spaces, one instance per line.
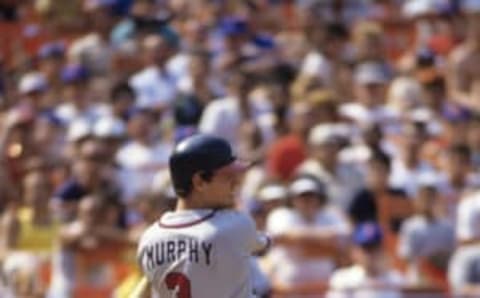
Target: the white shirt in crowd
pixel 139 163
pixel 405 178
pixel 464 267
pixel 201 254
pixel 291 267
pixel 214 115
pixel 68 113
pixel 468 218
pixel 154 88
pixel 353 282
pixel 316 64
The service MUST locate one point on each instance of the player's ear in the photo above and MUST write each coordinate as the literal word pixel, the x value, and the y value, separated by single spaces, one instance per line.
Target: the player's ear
pixel 198 183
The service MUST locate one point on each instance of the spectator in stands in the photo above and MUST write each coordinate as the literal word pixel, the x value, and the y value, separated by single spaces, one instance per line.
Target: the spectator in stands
pixel 238 106
pixel 175 67
pixel 142 155
pixel 370 274
pixel 463 272
pixel 310 235
pixel 78 104
pixel 463 74
pixel 155 87
pixel 380 203
pixel 33 228
pixel 87 177
pixel 427 239
pixel 342 180
pixel 88 234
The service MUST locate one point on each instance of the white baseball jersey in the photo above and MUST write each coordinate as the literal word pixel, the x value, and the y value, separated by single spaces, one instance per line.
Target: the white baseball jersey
pixel 200 254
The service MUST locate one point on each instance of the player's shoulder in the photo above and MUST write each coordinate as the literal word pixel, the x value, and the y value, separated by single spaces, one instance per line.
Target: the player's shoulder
pixel 235 216
pixel 150 233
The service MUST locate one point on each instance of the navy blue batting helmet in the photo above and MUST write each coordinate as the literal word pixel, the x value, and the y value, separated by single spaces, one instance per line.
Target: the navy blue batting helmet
pixel 199 153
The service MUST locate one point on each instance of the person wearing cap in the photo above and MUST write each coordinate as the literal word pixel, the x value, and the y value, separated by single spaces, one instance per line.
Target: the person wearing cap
pixel 369 275
pixel 268 198
pixel 272 196
pixel 50 59
pixel 234 35
pixel 77 133
pixel 426 238
pixel 111 132
pixel 308 237
pixel 32 88
pixel 341 179
pixel 371 81
pixel 155 85
pixel 78 103
pixel 463 72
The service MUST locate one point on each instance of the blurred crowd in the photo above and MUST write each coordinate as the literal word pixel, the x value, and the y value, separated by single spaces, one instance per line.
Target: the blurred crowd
pixel 361 119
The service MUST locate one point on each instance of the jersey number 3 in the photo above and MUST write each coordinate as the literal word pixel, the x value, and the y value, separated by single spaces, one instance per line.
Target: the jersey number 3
pixel 179 280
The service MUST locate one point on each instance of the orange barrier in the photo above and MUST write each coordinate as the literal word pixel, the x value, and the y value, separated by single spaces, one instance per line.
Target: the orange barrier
pixel 100 271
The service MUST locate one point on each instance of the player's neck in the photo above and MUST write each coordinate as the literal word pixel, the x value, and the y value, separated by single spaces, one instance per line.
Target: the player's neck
pixel 194 203
pixel 190 203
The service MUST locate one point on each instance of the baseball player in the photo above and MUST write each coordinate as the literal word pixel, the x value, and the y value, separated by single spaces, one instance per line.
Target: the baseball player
pixel 202 249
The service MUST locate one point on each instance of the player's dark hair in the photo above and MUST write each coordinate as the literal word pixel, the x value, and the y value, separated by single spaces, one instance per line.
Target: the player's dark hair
pixel 188 183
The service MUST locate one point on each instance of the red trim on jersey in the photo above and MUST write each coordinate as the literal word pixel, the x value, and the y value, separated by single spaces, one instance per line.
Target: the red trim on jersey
pixel 188 224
